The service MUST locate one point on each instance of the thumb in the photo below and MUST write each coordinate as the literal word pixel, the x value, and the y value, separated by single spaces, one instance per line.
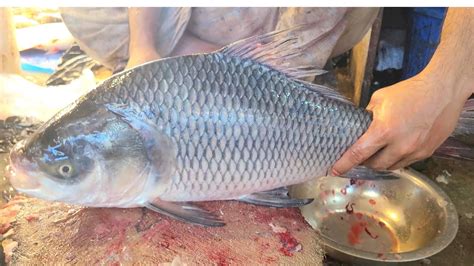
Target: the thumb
pixel 366 146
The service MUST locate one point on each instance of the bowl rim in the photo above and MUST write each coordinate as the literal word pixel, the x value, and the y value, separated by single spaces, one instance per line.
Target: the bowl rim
pixel 440 242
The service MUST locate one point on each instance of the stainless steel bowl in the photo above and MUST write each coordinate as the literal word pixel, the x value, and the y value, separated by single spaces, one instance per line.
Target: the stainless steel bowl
pixel 395 220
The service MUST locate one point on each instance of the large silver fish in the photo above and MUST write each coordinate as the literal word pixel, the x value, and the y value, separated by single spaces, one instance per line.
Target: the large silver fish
pixel 221 126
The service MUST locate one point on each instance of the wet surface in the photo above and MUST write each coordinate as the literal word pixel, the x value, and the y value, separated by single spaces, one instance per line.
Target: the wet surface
pixel 361 231
pixel 459 177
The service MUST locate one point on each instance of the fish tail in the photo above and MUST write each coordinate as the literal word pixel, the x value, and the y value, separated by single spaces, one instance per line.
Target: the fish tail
pixel 455 147
pixel 465 126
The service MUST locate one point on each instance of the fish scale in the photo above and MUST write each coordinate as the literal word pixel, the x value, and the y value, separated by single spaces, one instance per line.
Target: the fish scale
pixel 238 126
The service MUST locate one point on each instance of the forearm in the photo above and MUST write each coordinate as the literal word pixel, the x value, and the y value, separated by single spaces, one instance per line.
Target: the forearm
pixel 142 30
pixel 142 26
pixel 453 62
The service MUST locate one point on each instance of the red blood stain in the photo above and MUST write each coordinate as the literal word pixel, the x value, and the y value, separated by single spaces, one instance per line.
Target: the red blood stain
pixel 380 255
pixel 353 181
pixel 350 208
pixel 32 217
pixel 370 234
pixel 108 225
pixel 165 244
pixel 220 257
pixel 372 201
pixel 289 243
pixel 343 191
pixel 381 224
pixel 4 228
pixel 9 213
pixel 161 227
pixel 193 242
pixel 101 230
pixel 263 215
pixel 166 239
pixel 270 260
pixel 263 248
pixel 354 234
pixel 358 215
pixel 117 246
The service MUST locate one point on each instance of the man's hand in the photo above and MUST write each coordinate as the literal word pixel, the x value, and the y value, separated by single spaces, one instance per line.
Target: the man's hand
pixel 413 118
pixel 410 120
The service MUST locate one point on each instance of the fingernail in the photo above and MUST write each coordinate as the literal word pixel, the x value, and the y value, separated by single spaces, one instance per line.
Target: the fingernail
pixel 335 173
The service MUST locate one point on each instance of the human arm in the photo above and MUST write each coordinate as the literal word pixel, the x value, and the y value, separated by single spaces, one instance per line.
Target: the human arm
pixel 414 117
pixel 142 24
pixel 141 47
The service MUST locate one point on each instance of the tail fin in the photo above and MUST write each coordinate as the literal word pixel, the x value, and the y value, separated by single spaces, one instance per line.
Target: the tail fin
pixel 465 125
pixel 453 148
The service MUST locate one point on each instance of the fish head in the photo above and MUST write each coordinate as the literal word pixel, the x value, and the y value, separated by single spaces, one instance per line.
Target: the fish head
pixel 86 156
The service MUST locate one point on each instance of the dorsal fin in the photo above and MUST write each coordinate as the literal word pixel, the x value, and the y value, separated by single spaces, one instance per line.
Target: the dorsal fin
pixel 275 48
pixel 326 92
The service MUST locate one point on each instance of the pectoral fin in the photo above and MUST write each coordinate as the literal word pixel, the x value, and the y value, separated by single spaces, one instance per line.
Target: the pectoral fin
pixel 160 149
pixel 185 212
pixel 274 198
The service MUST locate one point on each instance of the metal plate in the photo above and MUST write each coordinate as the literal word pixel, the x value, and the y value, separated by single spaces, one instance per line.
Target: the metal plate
pixel 397 220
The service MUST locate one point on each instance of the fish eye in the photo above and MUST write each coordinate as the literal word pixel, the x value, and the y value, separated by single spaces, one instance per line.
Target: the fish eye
pixel 65 170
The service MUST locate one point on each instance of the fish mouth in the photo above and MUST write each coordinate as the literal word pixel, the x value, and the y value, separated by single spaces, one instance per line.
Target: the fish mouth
pixel 19 169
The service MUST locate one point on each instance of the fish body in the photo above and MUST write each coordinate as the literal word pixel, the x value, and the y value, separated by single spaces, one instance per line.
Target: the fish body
pixel 238 127
pixel 216 126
